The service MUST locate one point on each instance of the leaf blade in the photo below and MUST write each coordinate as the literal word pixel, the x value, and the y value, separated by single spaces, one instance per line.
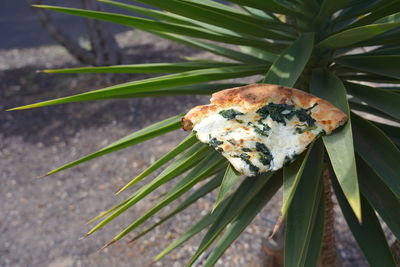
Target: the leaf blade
pixel 162 127
pixel 230 178
pixel 289 65
pixel 355 35
pixel 302 213
pixel 366 233
pixel 244 219
pixel 339 145
pixel 378 151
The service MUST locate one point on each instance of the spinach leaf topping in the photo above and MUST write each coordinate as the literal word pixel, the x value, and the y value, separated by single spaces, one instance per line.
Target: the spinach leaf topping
pixel 280 112
pixel 245 149
pixel 304 115
pixel 266 156
pixel 214 142
pixel 263 129
pixel 307 128
pixel 230 114
pixel 246 158
pixel 277 112
pixel 264 161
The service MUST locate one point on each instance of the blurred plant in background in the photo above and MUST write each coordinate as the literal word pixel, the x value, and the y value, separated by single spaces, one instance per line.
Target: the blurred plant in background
pixel 332 49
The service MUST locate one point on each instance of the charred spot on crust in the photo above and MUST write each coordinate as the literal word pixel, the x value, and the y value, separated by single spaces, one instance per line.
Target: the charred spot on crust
pixel 186 124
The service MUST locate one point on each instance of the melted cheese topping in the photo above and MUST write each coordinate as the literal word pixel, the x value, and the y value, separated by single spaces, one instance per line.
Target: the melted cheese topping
pixel 254 143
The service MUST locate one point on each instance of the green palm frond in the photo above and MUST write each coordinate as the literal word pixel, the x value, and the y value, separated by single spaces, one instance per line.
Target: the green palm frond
pixel 332 49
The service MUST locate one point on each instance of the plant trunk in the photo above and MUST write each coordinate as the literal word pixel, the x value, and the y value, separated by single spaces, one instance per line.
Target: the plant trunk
pixel 329 255
pixel 273 248
pixel 104 48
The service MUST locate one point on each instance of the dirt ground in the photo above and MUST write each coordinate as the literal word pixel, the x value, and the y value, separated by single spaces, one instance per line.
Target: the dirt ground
pixel 42 220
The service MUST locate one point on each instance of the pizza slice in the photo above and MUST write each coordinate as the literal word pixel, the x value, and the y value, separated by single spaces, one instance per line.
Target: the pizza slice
pixel 262 127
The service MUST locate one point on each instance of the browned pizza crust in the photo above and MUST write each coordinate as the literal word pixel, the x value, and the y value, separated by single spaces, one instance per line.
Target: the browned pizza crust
pixel 254 96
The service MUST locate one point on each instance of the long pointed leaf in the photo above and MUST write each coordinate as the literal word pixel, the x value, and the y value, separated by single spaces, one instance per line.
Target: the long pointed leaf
pixel 339 144
pixel 186 143
pixel 272 6
pixel 292 175
pixel 142 135
pixel 386 65
pixel 196 228
pixel 230 178
pixel 215 49
pixel 385 101
pixel 155 84
pixel 376 149
pixel 244 219
pixel 145 68
pixel 381 198
pixel 366 233
pixel 203 169
pixel 202 191
pixel 291 62
pixel 355 35
pixel 302 213
pixel 246 191
pixel 150 25
pixel 190 158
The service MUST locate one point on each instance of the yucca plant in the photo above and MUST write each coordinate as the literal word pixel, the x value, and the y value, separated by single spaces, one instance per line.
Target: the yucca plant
pixel 344 51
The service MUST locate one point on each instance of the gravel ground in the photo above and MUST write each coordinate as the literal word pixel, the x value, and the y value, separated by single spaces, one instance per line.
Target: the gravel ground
pixel 43 219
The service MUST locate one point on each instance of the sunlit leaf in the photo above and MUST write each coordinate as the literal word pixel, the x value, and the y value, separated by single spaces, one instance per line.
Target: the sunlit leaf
pixel 291 178
pixel 155 84
pixel 246 191
pixel 147 133
pixel 186 143
pixel 240 223
pixel 202 191
pixel 185 162
pixel 354 35
pixel 145 68
pixel 204 169
pixel 291 62
pixel 230 178
pixel 340 143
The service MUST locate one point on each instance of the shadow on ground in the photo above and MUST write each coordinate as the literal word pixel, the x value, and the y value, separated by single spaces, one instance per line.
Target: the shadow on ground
pixel 24 86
